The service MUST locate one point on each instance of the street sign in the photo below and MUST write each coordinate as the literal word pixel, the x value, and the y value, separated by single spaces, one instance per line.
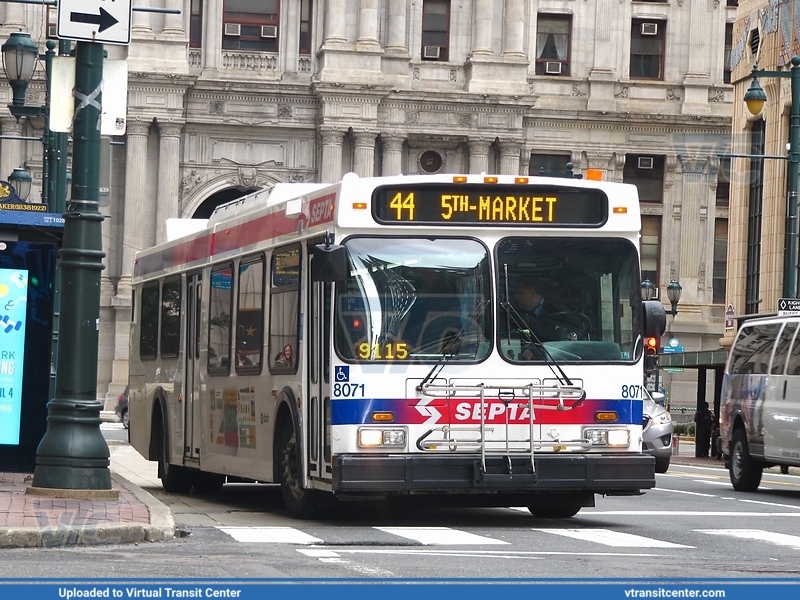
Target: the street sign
pixel 95 21
pixel 788 307
pixel 729 314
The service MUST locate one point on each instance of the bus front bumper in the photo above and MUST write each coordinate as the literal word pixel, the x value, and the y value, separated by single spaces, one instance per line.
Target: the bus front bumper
pixel 423 473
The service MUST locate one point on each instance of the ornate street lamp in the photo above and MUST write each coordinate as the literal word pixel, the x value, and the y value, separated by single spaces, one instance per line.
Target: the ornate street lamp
pixel 648 290
pixel 20 56
pixel 755 99
pixel 674 291
pixel 22 182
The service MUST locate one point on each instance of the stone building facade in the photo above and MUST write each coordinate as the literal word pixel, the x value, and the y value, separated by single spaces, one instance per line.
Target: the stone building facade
pixel 222 101
pixel 766 34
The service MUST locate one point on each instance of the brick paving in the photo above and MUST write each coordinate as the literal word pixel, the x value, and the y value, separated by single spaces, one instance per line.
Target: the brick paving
pixel 18 509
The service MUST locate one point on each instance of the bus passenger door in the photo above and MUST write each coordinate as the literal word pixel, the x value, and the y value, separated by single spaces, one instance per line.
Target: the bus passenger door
pixel 191 379
pixel 318 349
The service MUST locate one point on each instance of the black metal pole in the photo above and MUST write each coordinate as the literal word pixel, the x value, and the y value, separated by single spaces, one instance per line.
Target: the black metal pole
pixel 73 453
pixel 790 274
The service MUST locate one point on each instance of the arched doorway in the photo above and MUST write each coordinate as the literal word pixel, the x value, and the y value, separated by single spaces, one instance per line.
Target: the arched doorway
pixel 214 200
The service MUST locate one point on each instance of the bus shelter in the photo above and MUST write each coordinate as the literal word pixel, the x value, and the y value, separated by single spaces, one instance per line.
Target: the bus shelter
pixel 29 241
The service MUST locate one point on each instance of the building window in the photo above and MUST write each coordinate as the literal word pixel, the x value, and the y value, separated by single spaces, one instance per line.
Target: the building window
pixel 753 266
pixel 52 22
pixel 646 172
pixel 726 74
pixel 306 8
pixel 196 24
pixel 436 30
pixel 647 49
pixel 731 3
pixel 431 161
pixel 553 44
pixel 724 182
pixel 249 27
pixel 651 235
pixel 548 164
pixel 720 260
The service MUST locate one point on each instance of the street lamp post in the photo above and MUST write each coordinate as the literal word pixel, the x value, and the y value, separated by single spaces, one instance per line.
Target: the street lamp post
pixel 674 291
pixel 755 99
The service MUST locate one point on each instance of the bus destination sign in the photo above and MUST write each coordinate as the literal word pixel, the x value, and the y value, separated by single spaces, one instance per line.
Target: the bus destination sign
pixel 490 204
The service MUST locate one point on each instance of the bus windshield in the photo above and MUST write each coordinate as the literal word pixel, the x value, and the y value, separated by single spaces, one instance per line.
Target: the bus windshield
pixel 568 299
pixel 414 299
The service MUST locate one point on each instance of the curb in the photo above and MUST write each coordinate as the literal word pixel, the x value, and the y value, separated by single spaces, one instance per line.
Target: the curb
pixel 160 528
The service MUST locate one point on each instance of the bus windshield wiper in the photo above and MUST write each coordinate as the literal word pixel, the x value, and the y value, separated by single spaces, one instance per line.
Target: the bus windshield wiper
pixel 451 347
pixel 533 340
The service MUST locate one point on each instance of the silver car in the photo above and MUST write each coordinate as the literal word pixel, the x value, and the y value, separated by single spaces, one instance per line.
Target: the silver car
pixel 657 430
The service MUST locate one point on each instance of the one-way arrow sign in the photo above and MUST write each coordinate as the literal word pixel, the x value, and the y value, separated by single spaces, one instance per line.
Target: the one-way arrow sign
pixel 95 21
pixel 103 20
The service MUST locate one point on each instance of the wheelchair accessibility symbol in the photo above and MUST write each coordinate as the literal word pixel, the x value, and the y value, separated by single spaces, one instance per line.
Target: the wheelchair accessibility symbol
pixel 342 374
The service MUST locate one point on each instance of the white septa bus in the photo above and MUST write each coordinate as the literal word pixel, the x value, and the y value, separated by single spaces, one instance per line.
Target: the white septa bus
pixel 367 338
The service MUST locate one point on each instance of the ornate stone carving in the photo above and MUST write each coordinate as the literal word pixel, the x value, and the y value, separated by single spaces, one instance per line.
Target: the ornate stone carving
pixel 670 164
pixel 598 160
pixel 285 111
pixel 166 130
pixel 453 75
pixel 623 93
pixel 672 96
pixel 716 96
pixel 464 119
pixel 190 182
pixel 412 118
pixel 415 73
pixel 217 107
pixel 135 127
pixel 701 276
pixel 692 165
pixel 577 91
pixel 247 177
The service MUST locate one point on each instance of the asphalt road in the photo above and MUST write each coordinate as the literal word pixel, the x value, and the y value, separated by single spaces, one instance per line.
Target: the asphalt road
pixel 692 525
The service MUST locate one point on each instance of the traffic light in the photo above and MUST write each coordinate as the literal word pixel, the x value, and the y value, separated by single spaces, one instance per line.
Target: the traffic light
pixel 651 354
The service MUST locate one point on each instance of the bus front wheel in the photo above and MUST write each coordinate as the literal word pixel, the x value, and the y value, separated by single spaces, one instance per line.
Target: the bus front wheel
pixel 300 502
pixel 174 478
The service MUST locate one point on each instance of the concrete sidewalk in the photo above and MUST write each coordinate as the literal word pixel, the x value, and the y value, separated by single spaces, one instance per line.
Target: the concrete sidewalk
pixel 30 521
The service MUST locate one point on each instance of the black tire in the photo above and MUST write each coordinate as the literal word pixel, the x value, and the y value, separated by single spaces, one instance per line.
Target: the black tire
pixel 554 512
pixel 662 464
pixel 300 502
pixel 126 420
pixel 207 483
pixel 745 471
pixel 174 478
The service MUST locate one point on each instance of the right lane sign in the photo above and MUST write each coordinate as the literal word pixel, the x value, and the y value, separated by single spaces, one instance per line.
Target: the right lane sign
pixel 95 21
pixel 788 307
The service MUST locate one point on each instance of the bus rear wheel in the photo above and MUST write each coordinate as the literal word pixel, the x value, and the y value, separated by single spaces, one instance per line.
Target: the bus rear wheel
pixel 744 469
pixel 300 502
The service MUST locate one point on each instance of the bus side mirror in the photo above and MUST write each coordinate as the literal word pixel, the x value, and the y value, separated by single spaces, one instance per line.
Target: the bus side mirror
pixel 329 264
pixel 654 319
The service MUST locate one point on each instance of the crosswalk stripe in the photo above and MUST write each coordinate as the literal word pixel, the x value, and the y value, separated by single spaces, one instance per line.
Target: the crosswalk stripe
pixel 780 539
pixel 271 535
pixel 612 538
pixel 440 536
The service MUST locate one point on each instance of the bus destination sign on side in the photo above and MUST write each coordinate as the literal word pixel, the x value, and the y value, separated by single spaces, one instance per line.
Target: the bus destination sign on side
pixel 788 307
pixel 527 205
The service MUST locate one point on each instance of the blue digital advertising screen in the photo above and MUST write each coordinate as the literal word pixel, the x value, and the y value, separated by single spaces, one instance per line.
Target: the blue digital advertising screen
pixel 27 274
pixel 13 317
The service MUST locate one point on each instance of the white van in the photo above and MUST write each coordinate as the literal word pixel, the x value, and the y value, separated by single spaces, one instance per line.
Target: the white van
pixel 760 404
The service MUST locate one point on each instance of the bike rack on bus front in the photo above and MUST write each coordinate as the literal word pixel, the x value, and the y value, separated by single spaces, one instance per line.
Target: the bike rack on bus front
pixel 454 440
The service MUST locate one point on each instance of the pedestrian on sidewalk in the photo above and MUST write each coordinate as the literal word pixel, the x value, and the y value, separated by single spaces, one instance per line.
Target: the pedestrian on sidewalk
pixel 702 431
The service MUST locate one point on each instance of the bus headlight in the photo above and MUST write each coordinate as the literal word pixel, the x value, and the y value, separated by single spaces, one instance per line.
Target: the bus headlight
pixel 371 437
pixel 619 437
pixel 608 437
